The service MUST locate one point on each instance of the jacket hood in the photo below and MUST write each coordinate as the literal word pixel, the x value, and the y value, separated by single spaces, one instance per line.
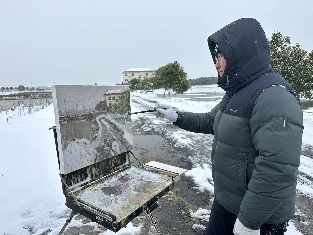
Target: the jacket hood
pixel 244 46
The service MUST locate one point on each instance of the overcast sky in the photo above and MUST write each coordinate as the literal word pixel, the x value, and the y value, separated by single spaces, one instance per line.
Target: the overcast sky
pixel 46 42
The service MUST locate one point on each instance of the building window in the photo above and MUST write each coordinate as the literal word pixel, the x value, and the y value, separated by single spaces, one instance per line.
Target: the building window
pixel 132 74
pixel 139 76
pixel 125 74
pixel 126 80
pixel 147 74
pixel 109 97
pixel 113 97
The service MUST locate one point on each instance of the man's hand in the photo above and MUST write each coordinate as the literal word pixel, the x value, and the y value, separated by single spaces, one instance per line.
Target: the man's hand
pixel 240 229
pixel 167 111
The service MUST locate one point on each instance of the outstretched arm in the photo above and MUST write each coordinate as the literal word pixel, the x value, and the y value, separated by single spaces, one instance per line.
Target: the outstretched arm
pixel 197 122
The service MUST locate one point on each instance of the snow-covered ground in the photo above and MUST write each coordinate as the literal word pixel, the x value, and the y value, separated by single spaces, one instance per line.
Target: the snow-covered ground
pixel 31 198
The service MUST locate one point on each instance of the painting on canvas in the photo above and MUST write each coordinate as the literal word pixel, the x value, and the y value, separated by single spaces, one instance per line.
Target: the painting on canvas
pixel 92 122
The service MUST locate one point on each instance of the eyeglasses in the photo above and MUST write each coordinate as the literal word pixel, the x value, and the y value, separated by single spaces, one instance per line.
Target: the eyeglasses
pixel 218 56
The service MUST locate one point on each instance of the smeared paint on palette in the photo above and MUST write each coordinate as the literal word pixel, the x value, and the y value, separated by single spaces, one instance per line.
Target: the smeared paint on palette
pixel 122 194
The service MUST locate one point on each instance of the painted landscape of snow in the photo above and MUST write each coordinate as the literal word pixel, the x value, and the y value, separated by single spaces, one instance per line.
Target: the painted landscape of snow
pixel 31 199
pixel 93 123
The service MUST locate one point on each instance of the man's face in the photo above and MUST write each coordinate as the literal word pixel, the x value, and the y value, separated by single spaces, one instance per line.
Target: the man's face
pixel 220 64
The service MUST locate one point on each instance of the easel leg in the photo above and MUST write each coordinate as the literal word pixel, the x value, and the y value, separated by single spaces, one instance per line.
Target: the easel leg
pixel 153 221
pixel 67 222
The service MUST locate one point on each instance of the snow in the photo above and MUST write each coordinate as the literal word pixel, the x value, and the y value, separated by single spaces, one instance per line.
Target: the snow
pixel 202 214
pixel 306 164
pixel 27 166
pixel 307 137
pixel 130 229
pixel 116 91
pixel 31 198
pixel 202 176
pixel 198 226
pixel 200 88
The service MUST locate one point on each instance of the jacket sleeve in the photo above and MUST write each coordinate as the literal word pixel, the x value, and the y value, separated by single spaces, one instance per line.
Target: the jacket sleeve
pixel 197 122
pixel 276 129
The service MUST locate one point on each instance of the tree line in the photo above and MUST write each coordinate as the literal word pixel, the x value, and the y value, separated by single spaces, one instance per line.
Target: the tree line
pixel 202 81
pixel 18 88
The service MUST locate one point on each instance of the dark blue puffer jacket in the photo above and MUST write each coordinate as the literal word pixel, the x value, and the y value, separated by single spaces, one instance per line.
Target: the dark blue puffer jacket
pixel 257 129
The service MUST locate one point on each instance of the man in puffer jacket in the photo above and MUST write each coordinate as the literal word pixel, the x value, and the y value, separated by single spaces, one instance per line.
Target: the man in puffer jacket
pixel 257 130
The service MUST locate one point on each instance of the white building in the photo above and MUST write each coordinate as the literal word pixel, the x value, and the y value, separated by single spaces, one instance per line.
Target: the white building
pixel 139 73
pixel 113 97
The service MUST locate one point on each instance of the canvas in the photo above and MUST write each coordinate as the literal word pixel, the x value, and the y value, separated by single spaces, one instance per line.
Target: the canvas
pixel 92 122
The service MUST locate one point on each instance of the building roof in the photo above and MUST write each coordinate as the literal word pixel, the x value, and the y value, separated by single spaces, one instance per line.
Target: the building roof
pixel 139 70
pixel 117 91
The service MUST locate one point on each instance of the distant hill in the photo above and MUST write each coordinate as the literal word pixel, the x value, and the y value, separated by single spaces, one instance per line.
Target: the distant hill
pixel 202 81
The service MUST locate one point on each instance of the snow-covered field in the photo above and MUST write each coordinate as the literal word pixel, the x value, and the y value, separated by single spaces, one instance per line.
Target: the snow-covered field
pixel 31 198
